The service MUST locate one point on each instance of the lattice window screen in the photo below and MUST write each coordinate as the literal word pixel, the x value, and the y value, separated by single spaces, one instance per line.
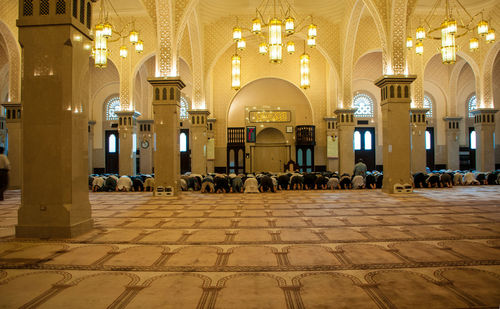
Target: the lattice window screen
pixel 44 7
pixel 28 8
pixel 60 7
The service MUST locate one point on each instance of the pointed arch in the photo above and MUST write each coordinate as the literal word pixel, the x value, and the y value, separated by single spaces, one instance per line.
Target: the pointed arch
pixel 14 54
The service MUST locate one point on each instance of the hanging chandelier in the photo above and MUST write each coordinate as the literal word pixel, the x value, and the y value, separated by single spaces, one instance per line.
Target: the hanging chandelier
pixel 457 23
pixel 275 24
pixel 105 32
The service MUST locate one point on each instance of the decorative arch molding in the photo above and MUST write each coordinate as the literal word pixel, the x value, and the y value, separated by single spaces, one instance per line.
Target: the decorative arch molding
pixel 14 54
pixel 487 75
pixel 350 44
pixel 309 105
pixel 397 37
pixel 197 61
pixel 453 84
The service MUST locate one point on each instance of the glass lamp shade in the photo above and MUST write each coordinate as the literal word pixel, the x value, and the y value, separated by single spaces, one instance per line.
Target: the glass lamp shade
pixel 305 81
pixel 123 51
pixel 289 25
pixel 100 58
pixel 490 37
pixel 263 48
pixel 311 42
pixel 134 37
pixel 107 30
pixel 99 30
pixel 275 53
pixel 256 26
pixel 236 33
pixel 241 44
pixel 312 31
pixel 448 46
pixel 482 28
pixel 419 48
pixel 101 42
pixel 275 31
pixel 449 54
pixel 420 33
pixel 139 47
pixel 236 72
pixel 473 44
pixel 409 42
pixel 452 26
pixel 290 47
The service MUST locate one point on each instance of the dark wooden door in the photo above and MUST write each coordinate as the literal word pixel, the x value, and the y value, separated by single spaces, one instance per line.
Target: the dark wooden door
pixel 364 146
pixel 305 158
pixel 112 151
pixel 185 151
pixel 429 147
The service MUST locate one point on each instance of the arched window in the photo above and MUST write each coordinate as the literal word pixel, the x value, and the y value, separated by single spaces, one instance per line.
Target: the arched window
pixel 368 140
pixel 183 143
pixel 471 105
pixel 300 158
pixel 428 144
pixel 473 140
pixel 82 11
pixel 89 15
pixel 364 105
pixel 357 140
pixel 428 104
pixel 112 143
pixel 183 112
pixel 110 107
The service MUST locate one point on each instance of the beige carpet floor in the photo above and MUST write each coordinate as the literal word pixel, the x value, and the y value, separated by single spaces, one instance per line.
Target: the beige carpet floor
pixel 436 248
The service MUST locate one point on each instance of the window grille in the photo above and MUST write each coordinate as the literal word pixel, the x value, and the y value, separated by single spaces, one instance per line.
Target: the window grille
pixel 364 105
pixel 112 106
pixel 428 104
pixel 28 8
pixel 44 7
pixel 60 7
pixel 471 105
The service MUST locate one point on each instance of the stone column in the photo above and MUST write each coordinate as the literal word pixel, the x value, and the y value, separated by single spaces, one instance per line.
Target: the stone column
pixel 418 152
pixel 484 124
pixel 13 114
pixel 346 123
pixel 395 102
pixel 127 126
pixel 91 146
pixel 166 103
pixel 146 130
pixel 452 142
pixel 332 144
pixel 211 145
pixel 199 140
pixel 55 197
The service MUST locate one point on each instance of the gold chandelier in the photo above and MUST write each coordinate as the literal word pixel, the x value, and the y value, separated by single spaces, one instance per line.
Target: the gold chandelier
pixel 104 32
pixel 457 23
pixel 275 23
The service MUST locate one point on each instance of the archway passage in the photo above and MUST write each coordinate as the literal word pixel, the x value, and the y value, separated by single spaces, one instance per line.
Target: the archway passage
pixel 270 152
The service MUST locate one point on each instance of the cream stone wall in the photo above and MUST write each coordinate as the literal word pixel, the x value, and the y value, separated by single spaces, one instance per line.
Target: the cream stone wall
pixel 255 66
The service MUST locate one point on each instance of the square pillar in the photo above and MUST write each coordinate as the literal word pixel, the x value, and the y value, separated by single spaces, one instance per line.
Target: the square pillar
pixel 346 124
pixel 418 152
pixel 332 144
pixel 166 104
pixel 146 131
pixel 211 145
pixel 127 125
pixel 199 138
pixel 484 124
pixel 395 102
pixel 91 146
pixel 13 114
pixel 452 142
pixel 55 122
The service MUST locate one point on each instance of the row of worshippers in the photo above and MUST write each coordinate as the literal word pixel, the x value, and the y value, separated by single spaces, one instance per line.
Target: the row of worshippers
pixel 250 183
pixel 112 183
pixel 449 178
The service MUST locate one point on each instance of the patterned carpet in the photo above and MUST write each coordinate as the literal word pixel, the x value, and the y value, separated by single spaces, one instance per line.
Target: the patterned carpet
pixel 436 248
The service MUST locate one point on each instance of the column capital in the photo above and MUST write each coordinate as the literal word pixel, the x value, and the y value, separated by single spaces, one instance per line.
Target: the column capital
pixel 331 123
pixel 166 91
pixel 395 88
pixel 127 119
pixel 484 117
pixel 13 112
pixel 198 117
pixel 167 81
pixel 453 123
pixel 345 116
pixel 418 116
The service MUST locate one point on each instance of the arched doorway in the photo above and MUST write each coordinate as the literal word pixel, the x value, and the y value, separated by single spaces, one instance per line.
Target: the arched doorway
pixel 270 152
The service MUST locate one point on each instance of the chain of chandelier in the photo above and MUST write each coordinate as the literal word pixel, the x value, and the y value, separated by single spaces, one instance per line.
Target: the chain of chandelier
pixel 281 16
pixel 104 32
pixel 449 30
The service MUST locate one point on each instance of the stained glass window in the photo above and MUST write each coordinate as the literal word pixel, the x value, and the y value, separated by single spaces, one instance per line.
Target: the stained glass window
pixel 183 113
pixel 428 104
pixel 357 140
pixel 473 140
pixel 471 105
pixel 112 106
pixel 364 105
